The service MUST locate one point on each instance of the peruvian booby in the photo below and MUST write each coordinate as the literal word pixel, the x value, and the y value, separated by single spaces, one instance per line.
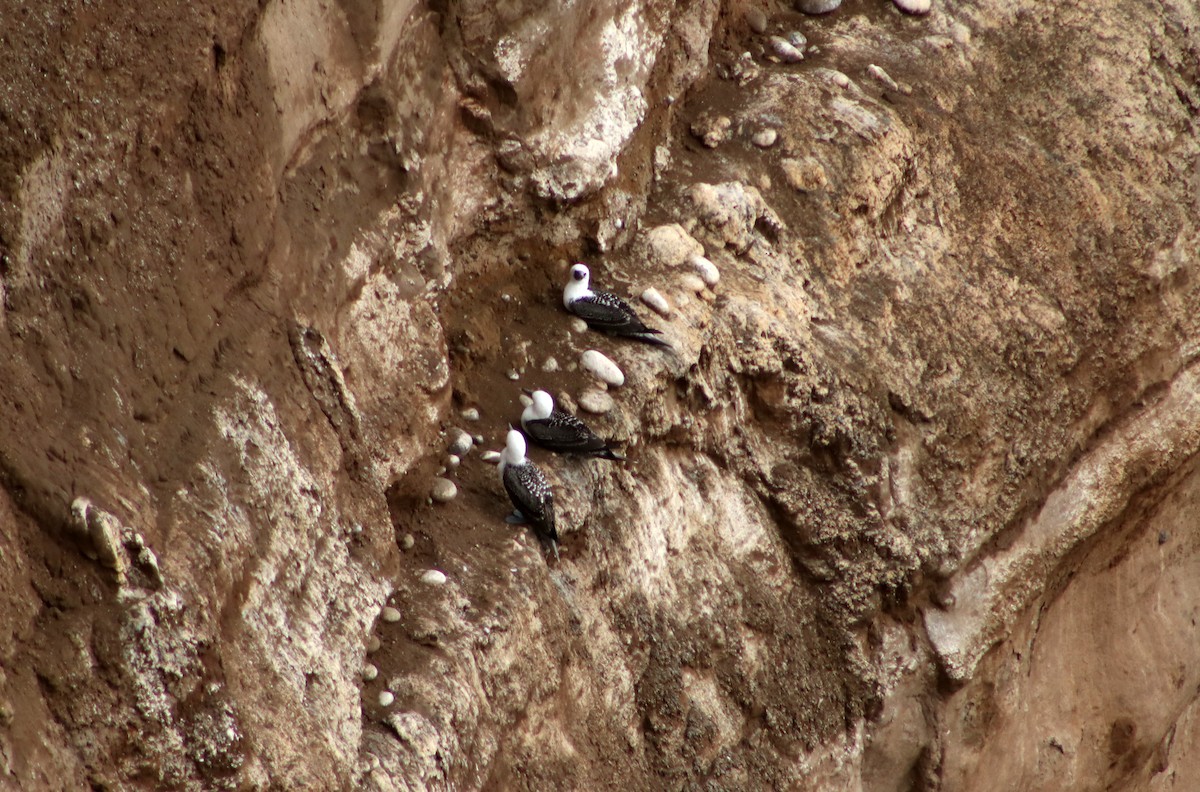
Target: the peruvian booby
pixel 605 311
pixel 560 431
pixel 528 489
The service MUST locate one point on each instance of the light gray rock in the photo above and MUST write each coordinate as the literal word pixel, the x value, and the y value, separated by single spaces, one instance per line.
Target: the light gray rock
pixel 597 402
pixel 602 367
pixel 460 442
pixel 443 490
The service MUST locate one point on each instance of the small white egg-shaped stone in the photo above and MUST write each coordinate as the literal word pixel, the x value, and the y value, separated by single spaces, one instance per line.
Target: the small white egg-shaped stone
pixel 784 50
pixel 550 365
pixel 691 283
pixel 491 457
pixel 443 490
pixel 453 461
pixel 915 7
pixel 387 698
pixel 764 138
pixel 707 271
pixel 818 6
pixel 434 577
pixel 470 414
pixel 604 369
pixel 578 325
pixel 373 644
pixel 390 615
pixel 653 297
pixel 369 672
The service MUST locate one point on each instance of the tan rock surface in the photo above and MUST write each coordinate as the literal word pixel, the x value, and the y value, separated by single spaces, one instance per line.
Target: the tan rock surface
pixel 910 505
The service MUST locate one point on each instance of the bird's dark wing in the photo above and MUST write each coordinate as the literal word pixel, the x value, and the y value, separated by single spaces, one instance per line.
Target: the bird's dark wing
pixel 608 312
pixel 565 433
pixel 530 492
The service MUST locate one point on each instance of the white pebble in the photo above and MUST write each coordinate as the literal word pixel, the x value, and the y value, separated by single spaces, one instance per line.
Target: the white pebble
pixel 369 672
pixel 453 461
pixel 707 271
pixel 839 79
pixel 602 367
pixel 798 40
pixel 491 457
pixel 783 49
pixel 818 6
pixel 373 644
pixel 460 442
pixel 691 283
pixel 470 414
pixel 765 138
pixel 443 490
pixel 578 325
pixel 551 364
pixel 407 542
pixel 596 402
pixel 513 375
pixel 433 577
pixel 886 79
pixel 390 615
pixel 916 7
pixel 653 297
pixel 387 698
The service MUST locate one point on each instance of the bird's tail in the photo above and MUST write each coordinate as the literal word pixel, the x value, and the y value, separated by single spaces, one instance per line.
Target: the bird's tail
pixel 648 338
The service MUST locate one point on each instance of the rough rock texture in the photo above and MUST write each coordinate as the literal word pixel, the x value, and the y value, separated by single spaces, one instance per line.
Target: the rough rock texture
pixel 911 505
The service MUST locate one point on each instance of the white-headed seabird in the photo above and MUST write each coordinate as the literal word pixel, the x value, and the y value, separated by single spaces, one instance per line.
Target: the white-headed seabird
pixel 605 311
pixel 559 431
pixel 528 489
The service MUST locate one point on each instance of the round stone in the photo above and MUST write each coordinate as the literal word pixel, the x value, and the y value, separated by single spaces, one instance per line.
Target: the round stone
pixel 596 402
pixel 387 698
pixel 601 366
pixel 390 615
pixel 798 40
pixel 513 375
pixel 460 442
pixel 491 457
pixel 434 577
pixel 818 6
pixel 373 644
pixel 550 365
pixel 756 19
pixel 470 414
pixel 691 283
pixel 369 672
pixel 453 461
pixel 765 138
pixel 578 325
pixel 443 490
pixel 914 7
pixel 653 297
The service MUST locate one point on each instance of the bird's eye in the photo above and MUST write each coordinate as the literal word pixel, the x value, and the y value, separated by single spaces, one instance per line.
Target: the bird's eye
pixel 578 275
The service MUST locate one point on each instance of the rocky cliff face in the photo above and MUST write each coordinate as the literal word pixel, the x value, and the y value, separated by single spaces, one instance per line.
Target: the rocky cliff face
pixel 911 505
